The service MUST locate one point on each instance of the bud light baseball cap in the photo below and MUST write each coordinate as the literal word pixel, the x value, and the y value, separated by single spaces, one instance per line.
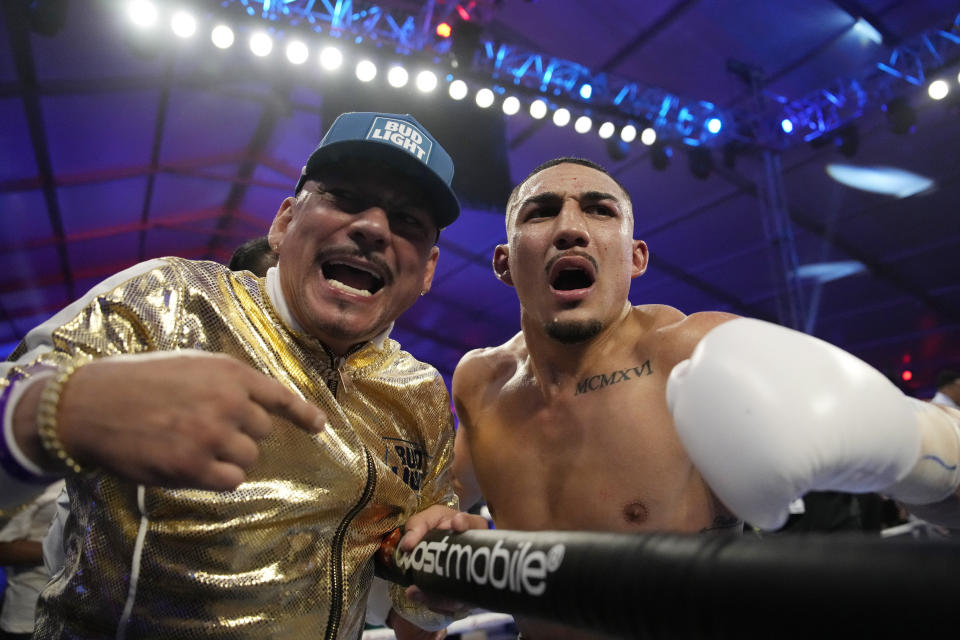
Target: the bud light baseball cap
pixel 400 141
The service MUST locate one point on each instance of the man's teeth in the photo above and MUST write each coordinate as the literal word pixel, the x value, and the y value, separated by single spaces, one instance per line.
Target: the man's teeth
pixel 345 287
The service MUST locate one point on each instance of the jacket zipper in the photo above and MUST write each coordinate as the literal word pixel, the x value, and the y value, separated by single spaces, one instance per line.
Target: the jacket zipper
pixel 336 374
pixel 336 551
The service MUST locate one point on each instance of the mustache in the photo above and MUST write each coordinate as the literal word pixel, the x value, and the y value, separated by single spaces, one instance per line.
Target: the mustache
pixel 572 252
pixel 346 251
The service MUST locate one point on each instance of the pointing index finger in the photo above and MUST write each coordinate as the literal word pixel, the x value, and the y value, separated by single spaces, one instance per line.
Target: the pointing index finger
pixel 281 401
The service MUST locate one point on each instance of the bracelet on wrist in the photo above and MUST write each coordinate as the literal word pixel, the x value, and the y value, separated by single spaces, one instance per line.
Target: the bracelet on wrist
pixel 47 419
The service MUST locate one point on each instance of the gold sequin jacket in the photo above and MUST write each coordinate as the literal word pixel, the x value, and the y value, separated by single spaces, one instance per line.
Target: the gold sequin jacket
pixel 288 553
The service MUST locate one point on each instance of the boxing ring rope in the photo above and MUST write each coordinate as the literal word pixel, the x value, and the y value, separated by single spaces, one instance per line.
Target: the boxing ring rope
pixel 675 586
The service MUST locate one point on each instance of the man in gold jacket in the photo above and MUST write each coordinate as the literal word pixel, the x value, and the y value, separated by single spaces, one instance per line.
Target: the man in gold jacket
pixel 235 447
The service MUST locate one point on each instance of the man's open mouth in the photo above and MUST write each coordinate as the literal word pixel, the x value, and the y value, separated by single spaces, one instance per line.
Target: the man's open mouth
pixel 352 277
pixel 570 279
pixel 572 272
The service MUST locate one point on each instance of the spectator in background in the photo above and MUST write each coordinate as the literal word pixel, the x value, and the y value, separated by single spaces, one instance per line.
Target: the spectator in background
pixel 255 256
pixel 948 389
pixel 21 554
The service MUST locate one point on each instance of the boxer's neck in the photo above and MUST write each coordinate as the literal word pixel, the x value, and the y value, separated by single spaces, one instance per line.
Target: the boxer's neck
pixel 556 365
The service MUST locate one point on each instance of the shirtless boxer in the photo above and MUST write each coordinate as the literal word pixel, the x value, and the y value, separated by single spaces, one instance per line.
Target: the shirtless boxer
pixel 568 426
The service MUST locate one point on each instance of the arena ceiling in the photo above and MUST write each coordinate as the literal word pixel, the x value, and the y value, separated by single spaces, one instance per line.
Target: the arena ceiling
pixel 118 144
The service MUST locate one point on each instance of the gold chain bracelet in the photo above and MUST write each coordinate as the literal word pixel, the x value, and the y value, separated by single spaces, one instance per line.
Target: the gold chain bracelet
pixel 47 424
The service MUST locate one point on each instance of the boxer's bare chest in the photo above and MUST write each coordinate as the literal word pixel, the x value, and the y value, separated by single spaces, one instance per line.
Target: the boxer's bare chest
pixel 598 453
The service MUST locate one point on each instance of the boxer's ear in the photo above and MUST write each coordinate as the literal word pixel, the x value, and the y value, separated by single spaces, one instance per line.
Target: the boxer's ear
pixel 501 264
pixel 641 257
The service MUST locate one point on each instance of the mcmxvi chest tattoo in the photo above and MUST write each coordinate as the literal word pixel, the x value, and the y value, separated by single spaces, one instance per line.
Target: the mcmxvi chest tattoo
pixel 601 380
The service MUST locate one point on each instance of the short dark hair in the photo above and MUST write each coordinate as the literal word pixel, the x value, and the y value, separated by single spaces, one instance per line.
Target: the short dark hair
pixel 566 160
pixel 946 377
pixel 254 255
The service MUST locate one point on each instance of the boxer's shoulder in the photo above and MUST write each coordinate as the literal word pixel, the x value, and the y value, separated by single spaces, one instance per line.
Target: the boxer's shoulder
pixel 676 337
pixel 488 366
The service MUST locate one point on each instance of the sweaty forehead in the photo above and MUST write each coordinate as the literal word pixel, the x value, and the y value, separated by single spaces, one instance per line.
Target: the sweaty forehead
pixel 568 179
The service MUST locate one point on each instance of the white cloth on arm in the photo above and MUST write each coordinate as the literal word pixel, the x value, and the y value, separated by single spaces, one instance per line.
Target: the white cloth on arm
pixel 54 553
pixel 24 583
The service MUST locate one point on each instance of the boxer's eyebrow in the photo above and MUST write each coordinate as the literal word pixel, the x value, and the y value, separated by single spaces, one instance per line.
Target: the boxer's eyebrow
pixel 551 196
pixel 542 198
pixel 598 195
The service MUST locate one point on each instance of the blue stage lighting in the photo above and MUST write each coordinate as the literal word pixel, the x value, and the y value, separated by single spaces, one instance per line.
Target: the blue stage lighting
pixel 787 125
pixel 586 91
pixel 714 125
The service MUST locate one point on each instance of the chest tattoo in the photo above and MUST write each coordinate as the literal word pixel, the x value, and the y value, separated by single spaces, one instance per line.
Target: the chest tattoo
pixel 599 381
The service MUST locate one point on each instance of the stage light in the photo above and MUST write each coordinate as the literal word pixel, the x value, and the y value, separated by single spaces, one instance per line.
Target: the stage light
pixel 222 36
pixel 583 124
pixel 426 81
pixel 397 76
pixel 142 13
pixel 444 30
pixel 366 71
pixel 628 134
pixel 511 105
pixel 297 52
pixel 261 44
pixel 606 130
pixel 331 58
pixel 824 272
pixel 714 125
pixel 183 24
pixel 648 136
pixel 538 109
pixel 484 98
pixel 938 89
pixel 900 115
pixel 660 155
pixel 867 31
pixel 586 91
pixel 701 162
pixel 787 125
pixel 458 90
pixel 891 181
pixel 906 375
pixel 561 117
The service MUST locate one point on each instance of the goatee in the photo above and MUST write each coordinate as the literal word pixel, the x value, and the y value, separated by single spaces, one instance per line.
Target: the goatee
pixel 573 332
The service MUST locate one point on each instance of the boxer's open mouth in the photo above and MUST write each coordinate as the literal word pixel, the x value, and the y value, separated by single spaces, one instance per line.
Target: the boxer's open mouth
pixel 569 279
pixel 571 272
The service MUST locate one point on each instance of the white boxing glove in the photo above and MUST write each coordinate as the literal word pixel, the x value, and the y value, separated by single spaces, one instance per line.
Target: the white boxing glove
pixel 767 414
